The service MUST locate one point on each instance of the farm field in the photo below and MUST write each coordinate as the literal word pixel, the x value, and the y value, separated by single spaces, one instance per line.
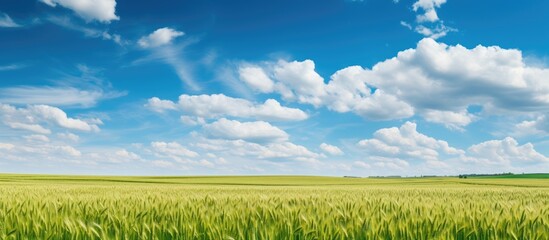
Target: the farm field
pixel 272 207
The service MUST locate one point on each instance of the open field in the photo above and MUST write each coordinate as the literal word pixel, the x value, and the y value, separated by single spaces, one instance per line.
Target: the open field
pixel 271 207
pixel 528 175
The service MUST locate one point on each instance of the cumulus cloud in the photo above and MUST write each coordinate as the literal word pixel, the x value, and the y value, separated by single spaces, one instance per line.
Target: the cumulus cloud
pixel 7 22
pixel 538 126
pixel 270 150
pixel 29 118
pixel 126 155
pixel 330 149
pixel 427 20
pixel 250 131
pixel 256 78
pixel 506 152
pixel 69 136
pixel 69 150
pixel 449 79
pixel 436 81
pixel 406 142
pixel 158 105
pixel 59 117
pixel 404 147
pixel 172 149
pixel 159 37
pixel 452 120
pixel 299 80
pixel 219 105
pixel 192 120
pixel 428 7
pixel 100 10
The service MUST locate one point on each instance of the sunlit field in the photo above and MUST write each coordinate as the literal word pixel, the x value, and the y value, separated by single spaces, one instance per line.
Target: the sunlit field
pixel 272 207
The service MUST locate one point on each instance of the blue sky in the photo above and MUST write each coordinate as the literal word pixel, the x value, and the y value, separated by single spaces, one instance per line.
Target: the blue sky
pixel 336 87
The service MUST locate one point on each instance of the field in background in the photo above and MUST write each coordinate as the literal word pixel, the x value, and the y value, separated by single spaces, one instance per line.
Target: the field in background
pixel 527 175
pixel 272 207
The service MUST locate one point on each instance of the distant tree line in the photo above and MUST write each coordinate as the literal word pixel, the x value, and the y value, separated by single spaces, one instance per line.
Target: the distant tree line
pixel 484 175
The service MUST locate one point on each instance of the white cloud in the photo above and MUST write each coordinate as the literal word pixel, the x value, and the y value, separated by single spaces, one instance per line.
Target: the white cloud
pixel 69 150
pixel 346 91
pixel 82 90
pixel 192 121
pixel 452 120
pixel 67 23
pixel 444 78
pixel 391 163
pixel 330 149
pixel 160 44
pixel 256 78
pixel 434 80
pixel 272 110
pixel 6 21
pixel 159 37
pixel 100 10
pixel 172 149
pixel 434 32
pixel 126 155
pixel 405 24
pixel 205 163
pixel 299 81
pixel 162 163
pixel 72 97
pixel 428 23
pixel 405 148
pixel 272 150
pixel 6 146
pixel 428 7
pixel 29 118
pixel 29 127
pixel 159 105
pixel 219 105
pixel 37 138
pixel 250 131
pixel 361 164
pixel 69 136
pixel 538 126
pixel 59 117
pixel 504 152
pixel 407 143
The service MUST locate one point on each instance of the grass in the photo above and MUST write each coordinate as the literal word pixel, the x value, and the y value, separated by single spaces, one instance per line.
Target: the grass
pixel 271 207
pixel 526 175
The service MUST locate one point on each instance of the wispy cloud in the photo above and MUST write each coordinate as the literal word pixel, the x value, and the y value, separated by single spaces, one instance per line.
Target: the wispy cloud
pixel 71 97
pixel 82 91
pixel 11 67
pixel 6 21
pixel 160 44
pixel 67 23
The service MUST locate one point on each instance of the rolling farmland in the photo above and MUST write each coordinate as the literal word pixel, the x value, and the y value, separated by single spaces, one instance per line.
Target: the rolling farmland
pixel 271 207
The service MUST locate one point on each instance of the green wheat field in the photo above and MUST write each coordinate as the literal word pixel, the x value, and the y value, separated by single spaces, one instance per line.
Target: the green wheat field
pixel 273 207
